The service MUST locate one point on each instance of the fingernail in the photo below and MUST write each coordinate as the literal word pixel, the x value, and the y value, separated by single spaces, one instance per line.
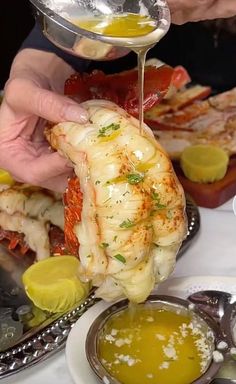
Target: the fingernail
pixel 76 114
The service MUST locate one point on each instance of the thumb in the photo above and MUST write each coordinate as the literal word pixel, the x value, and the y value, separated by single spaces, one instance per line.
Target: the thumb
pixel 23 95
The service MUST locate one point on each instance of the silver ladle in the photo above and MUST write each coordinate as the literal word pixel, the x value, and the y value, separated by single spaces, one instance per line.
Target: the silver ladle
pixel 221 306
pixel 56 20
pixel 214 303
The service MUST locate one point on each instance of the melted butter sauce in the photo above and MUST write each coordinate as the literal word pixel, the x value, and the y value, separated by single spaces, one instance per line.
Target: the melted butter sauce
pixel 141 53
pixel 127 26
pixel 145 345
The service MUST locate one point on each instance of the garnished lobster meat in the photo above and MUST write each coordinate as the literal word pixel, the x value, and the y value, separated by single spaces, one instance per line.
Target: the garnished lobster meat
pixel 122 88
pixel 125 212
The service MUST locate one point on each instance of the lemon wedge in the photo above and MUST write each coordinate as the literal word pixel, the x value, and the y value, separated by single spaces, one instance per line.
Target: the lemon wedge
pixel 5 178
pixel 53 284
pixel 204 163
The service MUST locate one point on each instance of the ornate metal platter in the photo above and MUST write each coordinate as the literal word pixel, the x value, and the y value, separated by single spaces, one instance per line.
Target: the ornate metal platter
pixel 193 216
pixel 29 335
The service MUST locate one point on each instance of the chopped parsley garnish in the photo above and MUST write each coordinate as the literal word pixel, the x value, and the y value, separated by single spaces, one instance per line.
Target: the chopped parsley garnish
pixel 107 131
pixel 121 258
pixel 155 196
pixel 97 182
pixel 104 245
pixel 115 238
pixel 127 224
pixel 169 215
pixel 109 198
pixel 160 206
pixel 135 178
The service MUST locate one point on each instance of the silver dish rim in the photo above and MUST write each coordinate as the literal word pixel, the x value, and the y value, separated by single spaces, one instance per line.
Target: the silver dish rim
pixel 194 223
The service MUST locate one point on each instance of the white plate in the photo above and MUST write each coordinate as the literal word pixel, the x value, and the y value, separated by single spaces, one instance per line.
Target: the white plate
pixel 185 286
pixel 181 287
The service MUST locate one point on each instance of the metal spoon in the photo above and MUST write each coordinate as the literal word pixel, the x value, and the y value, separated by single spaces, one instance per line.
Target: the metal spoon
pixel 214 303
pixel 218 305
pixel 223 381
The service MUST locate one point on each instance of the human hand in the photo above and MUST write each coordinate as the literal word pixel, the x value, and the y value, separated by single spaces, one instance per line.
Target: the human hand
pixel 33 94
pixel 183 11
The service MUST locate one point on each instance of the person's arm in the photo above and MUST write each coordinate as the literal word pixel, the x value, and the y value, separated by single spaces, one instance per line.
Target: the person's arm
pixel 37 40
pixel 183 11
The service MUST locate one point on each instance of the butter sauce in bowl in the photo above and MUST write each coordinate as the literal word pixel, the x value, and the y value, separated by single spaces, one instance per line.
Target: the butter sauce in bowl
pixel 165 340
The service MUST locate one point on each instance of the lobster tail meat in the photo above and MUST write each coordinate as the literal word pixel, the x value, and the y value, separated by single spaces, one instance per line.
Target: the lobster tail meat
pixel 31 221
pixel 132 220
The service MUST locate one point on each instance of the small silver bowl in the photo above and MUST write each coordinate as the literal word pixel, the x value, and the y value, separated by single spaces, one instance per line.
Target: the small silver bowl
pixel 166 302
pixel 55 18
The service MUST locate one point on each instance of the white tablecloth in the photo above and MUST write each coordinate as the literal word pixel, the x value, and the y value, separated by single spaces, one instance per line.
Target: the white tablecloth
pixel 213 253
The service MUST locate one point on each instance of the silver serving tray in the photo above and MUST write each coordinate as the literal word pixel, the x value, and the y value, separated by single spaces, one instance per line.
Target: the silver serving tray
pixel 193 217
pixel 28 335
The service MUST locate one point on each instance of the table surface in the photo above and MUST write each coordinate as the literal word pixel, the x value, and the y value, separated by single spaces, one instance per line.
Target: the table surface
pixel 212 253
